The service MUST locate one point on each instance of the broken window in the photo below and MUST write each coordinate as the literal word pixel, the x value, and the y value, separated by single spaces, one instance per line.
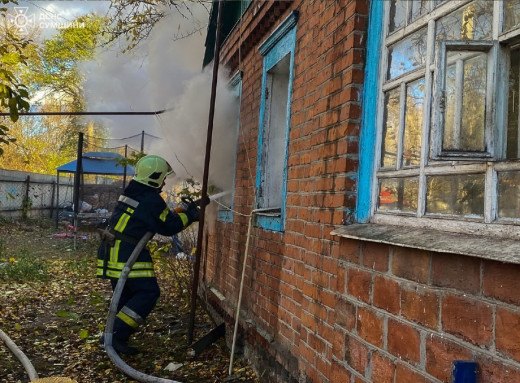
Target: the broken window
pixel 278 52
pixel 448 121
pixel 225 202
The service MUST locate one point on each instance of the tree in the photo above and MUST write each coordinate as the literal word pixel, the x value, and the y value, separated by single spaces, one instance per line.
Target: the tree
pixel 134 20
pixel 14 96
pixel 52 73
pixel 58 71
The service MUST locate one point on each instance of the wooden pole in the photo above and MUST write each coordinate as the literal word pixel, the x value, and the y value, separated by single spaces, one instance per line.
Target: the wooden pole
pixel 198 253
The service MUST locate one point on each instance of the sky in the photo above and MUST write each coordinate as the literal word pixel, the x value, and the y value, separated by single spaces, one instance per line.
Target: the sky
pixel 160 74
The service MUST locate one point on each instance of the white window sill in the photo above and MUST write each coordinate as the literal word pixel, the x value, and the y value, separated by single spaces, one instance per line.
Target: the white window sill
pixel 493 248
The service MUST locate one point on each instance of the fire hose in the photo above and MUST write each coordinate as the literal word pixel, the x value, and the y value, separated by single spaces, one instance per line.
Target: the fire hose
pixel 28 366
pixel 109 330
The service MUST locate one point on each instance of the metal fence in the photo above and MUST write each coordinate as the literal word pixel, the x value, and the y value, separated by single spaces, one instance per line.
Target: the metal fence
pixel 24 194
pixel 32 194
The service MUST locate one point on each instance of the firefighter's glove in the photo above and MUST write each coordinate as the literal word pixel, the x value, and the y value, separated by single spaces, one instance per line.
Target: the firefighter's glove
pixel 193 212
pixel 206 200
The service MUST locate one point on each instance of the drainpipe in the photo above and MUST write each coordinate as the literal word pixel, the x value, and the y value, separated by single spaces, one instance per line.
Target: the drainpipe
pixel 196 271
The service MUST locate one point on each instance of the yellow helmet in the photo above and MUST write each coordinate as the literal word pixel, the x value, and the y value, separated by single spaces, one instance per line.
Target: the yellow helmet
pixel 152 170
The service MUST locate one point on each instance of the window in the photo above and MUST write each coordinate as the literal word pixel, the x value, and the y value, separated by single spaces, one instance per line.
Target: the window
pixel 278 53
pixel 225 211
pixel 445 116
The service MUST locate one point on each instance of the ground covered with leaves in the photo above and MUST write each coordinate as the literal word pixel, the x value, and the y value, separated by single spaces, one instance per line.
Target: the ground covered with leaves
pixel 54 309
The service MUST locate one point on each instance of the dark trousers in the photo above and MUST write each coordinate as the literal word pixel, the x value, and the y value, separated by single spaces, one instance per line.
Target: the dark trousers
pixel 139 296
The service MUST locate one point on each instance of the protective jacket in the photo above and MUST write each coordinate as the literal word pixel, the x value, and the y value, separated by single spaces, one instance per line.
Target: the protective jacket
pixel 139 210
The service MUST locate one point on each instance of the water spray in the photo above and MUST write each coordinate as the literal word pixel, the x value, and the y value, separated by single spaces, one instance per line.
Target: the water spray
pixel 219 195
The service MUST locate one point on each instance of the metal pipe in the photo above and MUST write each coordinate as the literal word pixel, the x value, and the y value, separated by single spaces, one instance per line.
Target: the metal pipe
pixel 198 252
pixel 87 113
pixel 109 329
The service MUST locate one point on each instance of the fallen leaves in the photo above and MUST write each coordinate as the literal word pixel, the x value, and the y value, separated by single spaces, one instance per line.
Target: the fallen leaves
pixel 57 323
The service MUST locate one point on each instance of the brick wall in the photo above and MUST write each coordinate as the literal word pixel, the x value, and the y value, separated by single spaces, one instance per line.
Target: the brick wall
pixel 289 294
pixel 410 314
pixel 323 309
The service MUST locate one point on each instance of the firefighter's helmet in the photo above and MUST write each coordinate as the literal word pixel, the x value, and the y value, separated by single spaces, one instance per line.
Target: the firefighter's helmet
pixel 152 170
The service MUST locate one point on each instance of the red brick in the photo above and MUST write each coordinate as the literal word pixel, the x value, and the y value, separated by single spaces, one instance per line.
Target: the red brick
pixel 338 344
pixel 375 256
pixel 350 250
pixel 359 283
pixel 356 354
pixel 382 369
pixel 386 294
pixel 341 283
pixel 468 318
pixel 440 353
pixel 339 373
pixel 404 341
pixel 316 343
pixel 507 333
pixel 456 271
pixel 323 365
pixel 345 314
pixel 492 371
pixel 404 374
pixel 501 281
pixel 411 264
pixel 421 306
pixel 370 326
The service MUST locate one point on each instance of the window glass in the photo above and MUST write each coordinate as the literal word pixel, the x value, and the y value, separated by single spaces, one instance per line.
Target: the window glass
pixel 413 123
pixel 397 15
pixel 509 194
pixel 513 123
pixel 274 140
pixel 407 55
pixel 398 194
pixel 462 173
pixel 419 8
pixel 465 101
pixel 511 14
pixel 456 195
pixel 390 129
pixel 473 22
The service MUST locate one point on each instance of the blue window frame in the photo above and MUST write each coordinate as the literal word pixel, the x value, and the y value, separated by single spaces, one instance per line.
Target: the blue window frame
pixel 439 142
pixel 368 136
pixel 273 137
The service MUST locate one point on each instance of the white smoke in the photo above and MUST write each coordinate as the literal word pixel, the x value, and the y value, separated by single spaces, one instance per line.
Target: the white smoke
pixel 167 74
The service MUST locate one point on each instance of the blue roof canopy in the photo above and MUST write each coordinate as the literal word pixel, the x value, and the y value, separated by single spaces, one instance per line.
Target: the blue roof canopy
pixel 98 163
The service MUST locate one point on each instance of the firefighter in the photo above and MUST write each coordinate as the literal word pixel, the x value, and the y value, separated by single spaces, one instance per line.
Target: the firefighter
pixel 139 210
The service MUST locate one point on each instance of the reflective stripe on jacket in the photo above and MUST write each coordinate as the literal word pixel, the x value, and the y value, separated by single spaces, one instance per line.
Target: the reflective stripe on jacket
pixel 147 213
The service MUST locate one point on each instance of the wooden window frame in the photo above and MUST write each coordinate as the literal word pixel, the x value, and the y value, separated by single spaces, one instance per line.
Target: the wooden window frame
pixel 434 161
pixel 274 49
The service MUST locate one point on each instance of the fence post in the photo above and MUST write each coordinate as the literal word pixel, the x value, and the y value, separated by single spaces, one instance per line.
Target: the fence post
pixel 52 198
pixel 26 202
